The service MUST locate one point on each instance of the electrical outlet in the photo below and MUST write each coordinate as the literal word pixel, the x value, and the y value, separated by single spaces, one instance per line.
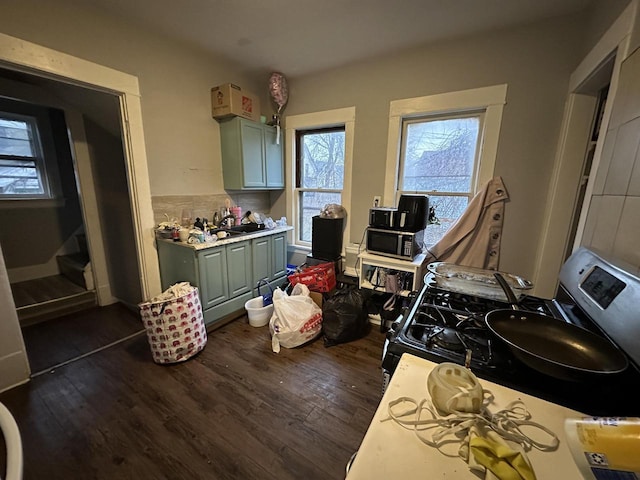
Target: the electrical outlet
pixel 377 201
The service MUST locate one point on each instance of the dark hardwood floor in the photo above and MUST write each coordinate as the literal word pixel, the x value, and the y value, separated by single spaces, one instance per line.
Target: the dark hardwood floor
pixel 47 298
pixel 43 289
pixel 61 339
pixel 235 411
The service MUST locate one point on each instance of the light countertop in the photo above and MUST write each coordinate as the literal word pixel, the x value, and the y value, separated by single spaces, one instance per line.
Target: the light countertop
pixel 390 451
pixel 230 239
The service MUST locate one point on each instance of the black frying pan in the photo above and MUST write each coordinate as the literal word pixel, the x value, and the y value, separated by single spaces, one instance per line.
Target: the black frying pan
pixel 552 346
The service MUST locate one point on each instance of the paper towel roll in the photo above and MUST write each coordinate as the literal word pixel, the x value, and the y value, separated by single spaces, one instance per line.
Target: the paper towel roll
pixel 604 445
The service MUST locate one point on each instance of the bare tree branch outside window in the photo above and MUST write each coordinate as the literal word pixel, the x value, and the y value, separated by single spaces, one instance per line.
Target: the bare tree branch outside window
pixel 439 159
pixel 321 164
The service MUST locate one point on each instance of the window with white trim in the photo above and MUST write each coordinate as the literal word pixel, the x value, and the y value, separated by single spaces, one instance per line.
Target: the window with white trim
pixel 319 153
pixel 22 167
pixel 439 158
pixel 319 173
pixel 443 146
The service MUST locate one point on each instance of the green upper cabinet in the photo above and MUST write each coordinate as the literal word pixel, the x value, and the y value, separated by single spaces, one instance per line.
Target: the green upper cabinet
pixel 273 157
pixel 251 155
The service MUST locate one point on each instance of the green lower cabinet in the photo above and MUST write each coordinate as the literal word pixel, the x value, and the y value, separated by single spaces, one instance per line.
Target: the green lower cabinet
pixel 239 268
pixel 279 255
pixel 269 260
pixel 226 275
pixel 214 287
pixel 261 259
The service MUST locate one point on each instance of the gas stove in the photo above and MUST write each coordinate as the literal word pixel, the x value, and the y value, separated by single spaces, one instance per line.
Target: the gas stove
pixel 451 325
pixel 446 326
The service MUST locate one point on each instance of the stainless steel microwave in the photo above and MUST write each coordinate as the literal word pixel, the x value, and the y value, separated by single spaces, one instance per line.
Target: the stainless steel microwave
pixel 393 243
pixel 382 217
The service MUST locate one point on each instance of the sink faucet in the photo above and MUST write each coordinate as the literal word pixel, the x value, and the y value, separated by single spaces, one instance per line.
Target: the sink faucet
pixel 223 222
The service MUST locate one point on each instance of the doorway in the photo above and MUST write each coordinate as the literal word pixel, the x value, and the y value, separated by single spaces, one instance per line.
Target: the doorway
pixel 578 155
pixel 49 269
pixel 22 56
pixel 47 249
pixel 598 88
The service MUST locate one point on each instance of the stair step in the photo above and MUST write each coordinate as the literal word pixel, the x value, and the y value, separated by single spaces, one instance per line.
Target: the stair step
pixel 39 312
pixel 81 238
pixel 72 266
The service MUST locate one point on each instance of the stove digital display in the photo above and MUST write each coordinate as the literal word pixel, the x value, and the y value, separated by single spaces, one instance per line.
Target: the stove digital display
pixel 602 287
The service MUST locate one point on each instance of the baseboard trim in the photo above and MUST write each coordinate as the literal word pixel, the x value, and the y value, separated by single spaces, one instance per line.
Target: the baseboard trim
pixel 16 371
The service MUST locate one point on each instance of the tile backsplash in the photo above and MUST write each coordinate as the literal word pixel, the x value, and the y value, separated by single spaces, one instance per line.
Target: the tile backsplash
pixel 613 223
pixel 204 206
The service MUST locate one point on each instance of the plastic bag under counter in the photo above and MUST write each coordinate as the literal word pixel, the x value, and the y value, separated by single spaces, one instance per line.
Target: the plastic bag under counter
pixel 391 451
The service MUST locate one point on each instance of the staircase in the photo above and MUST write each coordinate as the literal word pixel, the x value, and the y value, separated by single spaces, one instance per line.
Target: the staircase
pixel 45 298
pixel 73 266
pixel 51 297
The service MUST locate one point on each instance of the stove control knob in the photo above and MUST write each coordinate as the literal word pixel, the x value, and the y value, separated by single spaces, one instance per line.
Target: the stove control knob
pixel 394 328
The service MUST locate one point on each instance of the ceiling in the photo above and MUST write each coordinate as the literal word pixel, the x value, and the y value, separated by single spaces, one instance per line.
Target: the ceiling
pixel 300 37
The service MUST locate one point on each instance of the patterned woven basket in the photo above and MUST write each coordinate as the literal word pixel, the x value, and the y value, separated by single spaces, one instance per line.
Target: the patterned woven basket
pixel 175 327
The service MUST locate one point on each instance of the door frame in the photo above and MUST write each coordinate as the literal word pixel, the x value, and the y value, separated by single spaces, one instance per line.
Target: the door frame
pixel 27 57
pixel 574 137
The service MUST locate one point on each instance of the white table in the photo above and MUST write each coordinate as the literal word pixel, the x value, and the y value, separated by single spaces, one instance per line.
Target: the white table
pixel 390 451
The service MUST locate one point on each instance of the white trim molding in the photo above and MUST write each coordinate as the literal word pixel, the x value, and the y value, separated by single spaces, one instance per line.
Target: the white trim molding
pixel 329 118
pixel 569 159
pixel 20 55
pixel 28 57
pixel 617 38
pixel 489 99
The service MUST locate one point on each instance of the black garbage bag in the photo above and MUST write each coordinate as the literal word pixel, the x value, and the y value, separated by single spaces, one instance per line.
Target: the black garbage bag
pixel 344 316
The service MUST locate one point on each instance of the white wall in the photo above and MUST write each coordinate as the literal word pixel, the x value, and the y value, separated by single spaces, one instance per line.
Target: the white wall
pixel 182 140
pixel 14 366
pixel 598 19
pixel 535 61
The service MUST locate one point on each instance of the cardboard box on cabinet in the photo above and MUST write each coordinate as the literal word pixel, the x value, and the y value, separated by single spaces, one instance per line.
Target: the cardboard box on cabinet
pixel 230 100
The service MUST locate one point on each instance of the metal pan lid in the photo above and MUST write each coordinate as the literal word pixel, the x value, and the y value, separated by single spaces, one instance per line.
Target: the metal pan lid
pixel 461 274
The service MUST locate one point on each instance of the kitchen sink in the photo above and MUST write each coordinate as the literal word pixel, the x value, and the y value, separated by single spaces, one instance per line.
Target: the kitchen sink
pixel 247 227
pixel 239 229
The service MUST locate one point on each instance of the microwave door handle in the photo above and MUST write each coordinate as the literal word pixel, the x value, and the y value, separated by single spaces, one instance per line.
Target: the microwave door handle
pixel 399 248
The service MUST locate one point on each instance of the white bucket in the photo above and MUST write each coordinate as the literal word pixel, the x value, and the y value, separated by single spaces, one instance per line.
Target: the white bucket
pixel 259 315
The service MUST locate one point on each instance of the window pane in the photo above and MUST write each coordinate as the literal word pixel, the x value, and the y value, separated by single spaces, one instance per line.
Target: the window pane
pixel 322 164
pixel 19 173
pixel 440 155
pixel 311 204
pixel 448 209
pixel 19 177
pixel 15 138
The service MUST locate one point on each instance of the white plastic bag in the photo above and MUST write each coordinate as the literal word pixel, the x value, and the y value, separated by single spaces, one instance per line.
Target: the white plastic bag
pixel 296 318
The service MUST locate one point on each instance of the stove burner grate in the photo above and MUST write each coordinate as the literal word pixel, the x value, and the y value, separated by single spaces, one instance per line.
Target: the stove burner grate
pixel 451 326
